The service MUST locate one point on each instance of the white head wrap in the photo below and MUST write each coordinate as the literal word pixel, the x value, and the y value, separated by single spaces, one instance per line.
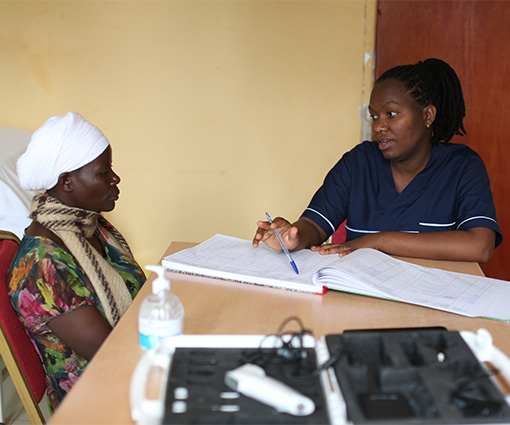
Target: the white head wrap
pixel 60 145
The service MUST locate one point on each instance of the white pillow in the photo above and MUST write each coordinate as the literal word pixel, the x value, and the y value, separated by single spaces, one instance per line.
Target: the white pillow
pixel 14 201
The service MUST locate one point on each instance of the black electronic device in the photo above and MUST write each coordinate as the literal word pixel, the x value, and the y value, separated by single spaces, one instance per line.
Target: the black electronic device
pixel 414 376
pixel 210 401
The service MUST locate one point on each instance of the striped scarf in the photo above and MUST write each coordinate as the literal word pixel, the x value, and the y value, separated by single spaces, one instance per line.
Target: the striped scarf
pixel 74 226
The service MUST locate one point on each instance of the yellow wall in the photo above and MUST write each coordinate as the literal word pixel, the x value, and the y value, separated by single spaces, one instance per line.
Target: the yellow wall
pixel 216 110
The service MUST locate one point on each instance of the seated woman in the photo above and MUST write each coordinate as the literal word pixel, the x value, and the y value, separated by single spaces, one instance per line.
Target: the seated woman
pixel 404 193
pixel 74 275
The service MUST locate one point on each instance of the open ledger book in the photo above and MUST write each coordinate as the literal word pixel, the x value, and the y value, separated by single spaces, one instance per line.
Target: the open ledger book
pixel 365 271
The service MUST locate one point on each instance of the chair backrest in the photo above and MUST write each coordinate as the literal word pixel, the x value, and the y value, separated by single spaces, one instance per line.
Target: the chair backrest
pixel 19 354
pixel 340 233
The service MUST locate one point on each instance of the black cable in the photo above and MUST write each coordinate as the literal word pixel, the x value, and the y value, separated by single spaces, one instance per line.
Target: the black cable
pixel 289 354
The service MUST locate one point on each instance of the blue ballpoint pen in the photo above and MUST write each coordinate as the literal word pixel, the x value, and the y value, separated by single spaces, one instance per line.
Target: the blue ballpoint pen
pixel 287 253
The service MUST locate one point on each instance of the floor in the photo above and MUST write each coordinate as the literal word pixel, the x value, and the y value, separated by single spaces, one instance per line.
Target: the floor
pixel 12 412
pixel 19 417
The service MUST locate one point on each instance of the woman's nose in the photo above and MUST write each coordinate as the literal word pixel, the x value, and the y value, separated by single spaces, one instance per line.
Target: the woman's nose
pixel 115 178
pixel 378 126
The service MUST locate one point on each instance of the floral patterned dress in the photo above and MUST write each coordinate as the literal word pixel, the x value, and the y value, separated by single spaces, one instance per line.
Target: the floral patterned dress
pixel 45 283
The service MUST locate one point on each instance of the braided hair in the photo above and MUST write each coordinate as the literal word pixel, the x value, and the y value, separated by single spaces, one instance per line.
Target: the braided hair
pixel 434 82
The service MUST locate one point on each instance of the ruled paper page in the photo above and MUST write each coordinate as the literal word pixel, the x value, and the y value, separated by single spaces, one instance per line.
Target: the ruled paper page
pixel 383 275
pixel 232 258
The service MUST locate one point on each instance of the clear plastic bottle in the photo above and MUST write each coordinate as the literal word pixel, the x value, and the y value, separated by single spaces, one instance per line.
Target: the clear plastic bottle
pixel 161 314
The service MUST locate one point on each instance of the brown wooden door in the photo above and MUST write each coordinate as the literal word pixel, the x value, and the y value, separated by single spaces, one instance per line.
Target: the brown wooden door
pixel 474 38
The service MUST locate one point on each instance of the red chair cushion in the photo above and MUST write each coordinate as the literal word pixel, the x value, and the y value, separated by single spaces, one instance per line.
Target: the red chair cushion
pixel 20 342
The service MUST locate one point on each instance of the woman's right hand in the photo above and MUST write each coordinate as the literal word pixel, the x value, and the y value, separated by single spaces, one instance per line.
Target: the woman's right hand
pixel 266 234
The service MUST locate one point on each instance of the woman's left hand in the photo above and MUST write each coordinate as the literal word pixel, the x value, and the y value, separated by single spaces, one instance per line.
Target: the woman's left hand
pixel 342 249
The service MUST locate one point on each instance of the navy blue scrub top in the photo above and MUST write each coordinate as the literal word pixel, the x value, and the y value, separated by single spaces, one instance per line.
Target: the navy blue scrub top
pixel 451 193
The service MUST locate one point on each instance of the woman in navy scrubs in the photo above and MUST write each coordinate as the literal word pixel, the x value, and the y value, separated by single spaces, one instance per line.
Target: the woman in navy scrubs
pixel 409 192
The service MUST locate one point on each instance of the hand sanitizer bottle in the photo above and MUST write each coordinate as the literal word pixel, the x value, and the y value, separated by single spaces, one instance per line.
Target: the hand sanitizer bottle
pixel 161 314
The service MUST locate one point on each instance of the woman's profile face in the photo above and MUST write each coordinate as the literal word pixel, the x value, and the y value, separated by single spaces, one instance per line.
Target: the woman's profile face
pixel 398 122
pixel 95 184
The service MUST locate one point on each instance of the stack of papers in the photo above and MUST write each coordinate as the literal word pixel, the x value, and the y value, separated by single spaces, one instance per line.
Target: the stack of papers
pixel 365 271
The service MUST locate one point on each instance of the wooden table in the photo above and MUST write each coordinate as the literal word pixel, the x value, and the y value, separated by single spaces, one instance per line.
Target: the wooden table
pixel 222 307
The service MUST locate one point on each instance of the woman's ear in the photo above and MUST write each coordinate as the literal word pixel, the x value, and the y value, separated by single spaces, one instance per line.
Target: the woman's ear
pixel 429 114
pixel 65 182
